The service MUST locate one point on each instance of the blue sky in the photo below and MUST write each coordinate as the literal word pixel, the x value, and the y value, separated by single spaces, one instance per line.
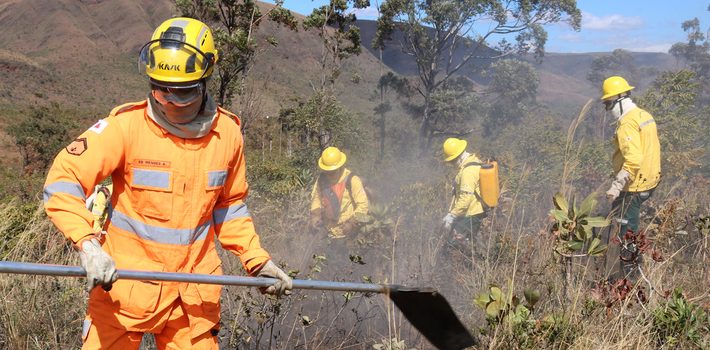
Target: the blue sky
pixel 635 25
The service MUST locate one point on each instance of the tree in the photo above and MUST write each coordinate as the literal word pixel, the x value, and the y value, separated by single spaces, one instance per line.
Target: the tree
pixel 318 121
pixel 672 99
pixel 340 39
pixel 388 82
pixel 444 36
pixel 40 137
pixel 620 62
pixel 339 36
pixel 454 106
pixel 696 52
pixel 234 23
pixel 513 87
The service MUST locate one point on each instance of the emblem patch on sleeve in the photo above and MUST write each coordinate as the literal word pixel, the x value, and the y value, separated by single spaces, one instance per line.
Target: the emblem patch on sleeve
pixel 78 146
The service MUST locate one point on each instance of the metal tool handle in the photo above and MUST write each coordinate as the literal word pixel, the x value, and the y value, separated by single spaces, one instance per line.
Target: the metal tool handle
pixel 76 271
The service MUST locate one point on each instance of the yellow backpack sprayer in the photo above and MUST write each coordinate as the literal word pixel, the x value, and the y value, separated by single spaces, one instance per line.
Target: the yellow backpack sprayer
pixel 488 182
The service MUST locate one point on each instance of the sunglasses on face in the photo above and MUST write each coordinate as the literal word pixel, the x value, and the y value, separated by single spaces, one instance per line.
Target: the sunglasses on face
pixel 609 104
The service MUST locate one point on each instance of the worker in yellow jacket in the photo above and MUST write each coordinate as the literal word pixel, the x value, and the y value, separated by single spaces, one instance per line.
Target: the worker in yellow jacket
pixel 337 195
pixel 177 165
pixel 636 159
pixel 466 211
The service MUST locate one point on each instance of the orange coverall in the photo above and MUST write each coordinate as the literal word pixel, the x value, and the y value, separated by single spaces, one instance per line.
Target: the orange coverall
pixel 172 198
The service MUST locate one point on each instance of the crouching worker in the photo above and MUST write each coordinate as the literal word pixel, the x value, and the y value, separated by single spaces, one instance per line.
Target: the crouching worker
pixel 177 165
pixel 337 196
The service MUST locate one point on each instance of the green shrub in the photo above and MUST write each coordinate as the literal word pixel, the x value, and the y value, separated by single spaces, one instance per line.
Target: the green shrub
pixel 681 324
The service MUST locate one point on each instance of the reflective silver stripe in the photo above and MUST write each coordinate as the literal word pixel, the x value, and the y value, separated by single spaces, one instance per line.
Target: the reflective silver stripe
pixel 236 211
pixel 199 36
pixel 216 178
pixel 152 178
pixel 178 236
pixel 622 221
pixel 181 23
pixel 70 188
pixel 646 123
pixel 85 326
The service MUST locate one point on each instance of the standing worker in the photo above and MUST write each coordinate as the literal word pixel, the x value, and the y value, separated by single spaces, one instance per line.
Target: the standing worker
pixel 636 161
pixel 337 196
pixel 466 211
pixel 177 164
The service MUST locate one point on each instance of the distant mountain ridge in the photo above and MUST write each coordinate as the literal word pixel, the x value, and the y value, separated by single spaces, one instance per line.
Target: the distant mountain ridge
pixel 562 75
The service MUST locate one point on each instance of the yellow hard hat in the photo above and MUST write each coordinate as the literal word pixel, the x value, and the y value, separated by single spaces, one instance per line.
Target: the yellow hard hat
pixel 181 50
pixel 331 159
pixel 613 86
pixel 453 148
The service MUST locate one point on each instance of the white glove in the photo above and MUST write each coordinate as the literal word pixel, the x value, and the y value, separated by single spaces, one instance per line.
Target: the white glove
pixel 618 185
pixel 284 283
pixel 448 221
pixel 99 266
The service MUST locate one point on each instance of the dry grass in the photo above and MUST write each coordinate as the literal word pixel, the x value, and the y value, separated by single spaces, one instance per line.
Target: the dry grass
pixel 515 253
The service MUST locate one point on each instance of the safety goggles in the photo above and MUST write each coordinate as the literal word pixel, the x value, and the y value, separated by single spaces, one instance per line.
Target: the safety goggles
pixel 179 96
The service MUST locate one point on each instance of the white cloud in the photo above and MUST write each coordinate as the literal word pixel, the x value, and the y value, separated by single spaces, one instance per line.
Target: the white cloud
pixel 369 12
pixel 570 38
pixel 611 22
pixel 651 48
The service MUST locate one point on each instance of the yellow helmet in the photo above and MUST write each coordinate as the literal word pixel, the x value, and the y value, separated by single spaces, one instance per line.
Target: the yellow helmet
pixel 331 159
pixel 613 86
pixel 453 148
pixel 181 50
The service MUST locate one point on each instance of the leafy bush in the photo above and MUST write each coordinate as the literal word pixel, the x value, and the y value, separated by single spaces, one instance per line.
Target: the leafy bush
pixel 573 227
pixel 278 177
pixel 515 326
pixel 679 323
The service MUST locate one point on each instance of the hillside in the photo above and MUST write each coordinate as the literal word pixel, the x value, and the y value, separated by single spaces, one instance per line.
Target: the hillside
pixel 83 53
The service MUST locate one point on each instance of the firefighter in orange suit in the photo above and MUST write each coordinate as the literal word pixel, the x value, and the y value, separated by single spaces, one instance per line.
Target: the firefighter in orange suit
pixel 176 161
pixel 337 195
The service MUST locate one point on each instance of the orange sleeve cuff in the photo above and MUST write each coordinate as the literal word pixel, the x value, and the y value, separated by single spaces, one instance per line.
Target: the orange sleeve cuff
pixel 253 259
pixel 77 244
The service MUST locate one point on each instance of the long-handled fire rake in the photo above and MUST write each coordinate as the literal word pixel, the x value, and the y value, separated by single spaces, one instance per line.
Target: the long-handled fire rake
pixel 426 309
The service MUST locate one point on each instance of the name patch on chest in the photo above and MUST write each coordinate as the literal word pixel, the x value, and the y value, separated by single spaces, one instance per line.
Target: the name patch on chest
pixel 153 163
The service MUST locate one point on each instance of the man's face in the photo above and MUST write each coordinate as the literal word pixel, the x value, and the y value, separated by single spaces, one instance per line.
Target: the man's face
pixel 609 103
pixel 179 104
pixel 334 175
